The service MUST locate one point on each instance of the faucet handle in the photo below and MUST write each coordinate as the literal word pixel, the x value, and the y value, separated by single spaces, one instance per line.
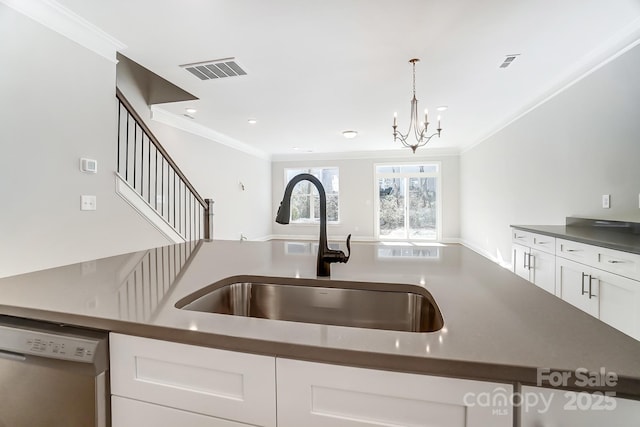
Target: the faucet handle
pixel 346 258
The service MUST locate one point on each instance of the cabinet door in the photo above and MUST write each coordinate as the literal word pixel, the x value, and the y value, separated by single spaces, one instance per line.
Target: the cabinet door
pixel 543 270
pixel 546 407
pixel 619 302
pixel 520 260
pixel 133 413
pixel 574 285
pixel 322 395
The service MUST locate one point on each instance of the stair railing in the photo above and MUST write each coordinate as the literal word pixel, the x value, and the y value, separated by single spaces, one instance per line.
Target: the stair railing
pixel 146 166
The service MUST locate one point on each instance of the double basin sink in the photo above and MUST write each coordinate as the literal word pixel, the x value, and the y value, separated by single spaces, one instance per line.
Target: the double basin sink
pixel 387 306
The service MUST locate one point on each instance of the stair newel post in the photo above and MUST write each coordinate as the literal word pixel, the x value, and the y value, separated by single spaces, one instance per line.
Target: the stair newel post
pixel 208 220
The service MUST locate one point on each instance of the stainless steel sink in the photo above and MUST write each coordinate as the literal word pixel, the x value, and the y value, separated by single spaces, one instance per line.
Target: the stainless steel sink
pixel 388 306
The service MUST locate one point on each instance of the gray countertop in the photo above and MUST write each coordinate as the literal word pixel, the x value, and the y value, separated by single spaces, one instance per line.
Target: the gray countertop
pixel 497 326
pixel 607 238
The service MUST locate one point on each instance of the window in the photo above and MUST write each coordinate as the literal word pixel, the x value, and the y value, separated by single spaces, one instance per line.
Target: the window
pixel 408 201
pixel 305 199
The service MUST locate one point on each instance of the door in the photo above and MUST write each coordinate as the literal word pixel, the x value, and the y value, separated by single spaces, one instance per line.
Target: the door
pixel 577 285
pixel 39 392
pixel 620 302
pixel 519 260
pixel 543 270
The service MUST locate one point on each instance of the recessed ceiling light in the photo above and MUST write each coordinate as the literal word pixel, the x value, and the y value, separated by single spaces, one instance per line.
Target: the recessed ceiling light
pixel 442 108
pixel 350 134
pixel 305 150
pixel 191 110
pixel 252 121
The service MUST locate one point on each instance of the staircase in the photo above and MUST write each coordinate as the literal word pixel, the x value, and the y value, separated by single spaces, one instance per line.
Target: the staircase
pixel 151 182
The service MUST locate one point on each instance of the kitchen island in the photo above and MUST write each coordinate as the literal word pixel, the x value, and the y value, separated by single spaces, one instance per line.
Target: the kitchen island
pixel 497 326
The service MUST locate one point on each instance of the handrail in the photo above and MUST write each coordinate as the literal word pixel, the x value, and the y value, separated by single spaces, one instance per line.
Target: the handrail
pixel 166 190
pixel 159 147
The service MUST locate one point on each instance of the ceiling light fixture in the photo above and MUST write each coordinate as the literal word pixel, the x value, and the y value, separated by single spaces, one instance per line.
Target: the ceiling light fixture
pixel 191 110
pixel 442 108
pixel 419 129
pixel 349 134
pixel 252 121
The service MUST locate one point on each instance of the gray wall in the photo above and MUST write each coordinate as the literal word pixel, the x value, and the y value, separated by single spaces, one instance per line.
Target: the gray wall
pixel 558 161
pixel 357 190
pixel 57 105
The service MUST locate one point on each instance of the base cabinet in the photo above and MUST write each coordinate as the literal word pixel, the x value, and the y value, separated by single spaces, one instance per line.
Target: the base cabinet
pixel 612 298
pixel 547 407
pixel 320 395
pixel 533 258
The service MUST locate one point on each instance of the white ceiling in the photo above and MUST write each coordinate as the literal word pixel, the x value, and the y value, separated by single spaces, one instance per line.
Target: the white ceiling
pixel 316 68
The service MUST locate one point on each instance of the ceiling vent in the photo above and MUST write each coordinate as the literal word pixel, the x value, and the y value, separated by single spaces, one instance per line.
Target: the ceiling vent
pixel 217 69
pixel 508 60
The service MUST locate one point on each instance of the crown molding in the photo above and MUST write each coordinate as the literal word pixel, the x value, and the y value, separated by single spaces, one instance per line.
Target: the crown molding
pixel 188 125
pixel 404 154
pixel 63 21
pixel 617 45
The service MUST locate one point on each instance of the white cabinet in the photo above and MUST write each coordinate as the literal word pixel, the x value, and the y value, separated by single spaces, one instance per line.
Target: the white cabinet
pixel 227 385
pixel 321 395
pixel 533 258
pixel 548 407
pixel 612 298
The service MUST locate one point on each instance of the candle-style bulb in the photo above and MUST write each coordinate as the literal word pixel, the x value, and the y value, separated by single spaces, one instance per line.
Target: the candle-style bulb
pixel 395 119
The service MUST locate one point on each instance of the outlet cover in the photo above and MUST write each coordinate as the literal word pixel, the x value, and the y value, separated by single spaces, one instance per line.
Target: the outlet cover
pixel 606 201
pixel 88 203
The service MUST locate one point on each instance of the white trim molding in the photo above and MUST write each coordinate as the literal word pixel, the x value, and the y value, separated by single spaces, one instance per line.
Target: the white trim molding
pixel 131 196
pixel 163 116
pixel 63 21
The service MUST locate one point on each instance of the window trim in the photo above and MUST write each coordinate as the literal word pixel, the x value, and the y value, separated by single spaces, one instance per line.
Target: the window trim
pixel 313 222
pixel 376 196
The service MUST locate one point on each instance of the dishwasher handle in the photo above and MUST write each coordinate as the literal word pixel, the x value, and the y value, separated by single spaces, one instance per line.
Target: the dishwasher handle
pixel 9 355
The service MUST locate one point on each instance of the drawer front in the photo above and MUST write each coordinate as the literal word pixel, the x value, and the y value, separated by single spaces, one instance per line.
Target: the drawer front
pixel 623 263
pixel 543 243
pixel 225 384
pixel 537 241
pixel 521 237
pixel 618 262
pixel 575 251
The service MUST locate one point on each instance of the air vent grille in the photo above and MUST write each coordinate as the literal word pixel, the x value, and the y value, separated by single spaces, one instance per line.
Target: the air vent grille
pixel 218 69
pixel 508 60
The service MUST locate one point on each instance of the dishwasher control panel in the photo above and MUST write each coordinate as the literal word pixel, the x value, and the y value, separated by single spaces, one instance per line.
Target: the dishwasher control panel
pixel 46 344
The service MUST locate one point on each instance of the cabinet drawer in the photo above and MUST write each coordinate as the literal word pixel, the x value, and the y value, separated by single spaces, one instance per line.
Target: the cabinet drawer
pixel 618 262
pixel 225 384
pixel 537 241
pixel 575 251
pixel 322 395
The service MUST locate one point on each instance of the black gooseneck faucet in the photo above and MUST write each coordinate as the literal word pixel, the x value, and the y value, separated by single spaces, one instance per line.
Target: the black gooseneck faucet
pixel 326 256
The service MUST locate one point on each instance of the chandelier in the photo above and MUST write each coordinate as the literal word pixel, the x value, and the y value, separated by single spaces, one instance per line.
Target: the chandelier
pixel 419 129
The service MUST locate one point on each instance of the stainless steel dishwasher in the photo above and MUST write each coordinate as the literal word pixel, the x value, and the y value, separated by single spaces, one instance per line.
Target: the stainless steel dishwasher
pixel 52 375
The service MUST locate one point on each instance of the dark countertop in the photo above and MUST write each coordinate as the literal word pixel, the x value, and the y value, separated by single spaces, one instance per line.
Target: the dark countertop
pixel 498 326
pixel 605 237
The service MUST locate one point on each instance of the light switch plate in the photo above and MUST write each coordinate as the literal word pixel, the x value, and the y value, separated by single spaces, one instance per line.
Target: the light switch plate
pixel 606 201
pixel 88 203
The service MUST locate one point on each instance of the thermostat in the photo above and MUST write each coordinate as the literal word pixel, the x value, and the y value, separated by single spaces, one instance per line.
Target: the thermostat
pixel 88 165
